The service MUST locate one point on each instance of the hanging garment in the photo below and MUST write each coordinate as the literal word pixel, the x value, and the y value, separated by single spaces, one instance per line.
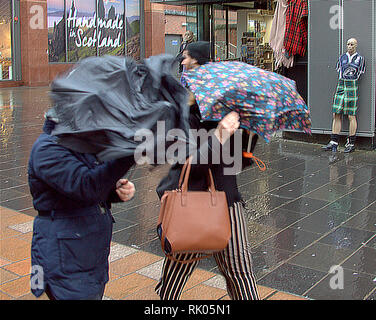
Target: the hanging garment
pixel 277 36
pixel 296 33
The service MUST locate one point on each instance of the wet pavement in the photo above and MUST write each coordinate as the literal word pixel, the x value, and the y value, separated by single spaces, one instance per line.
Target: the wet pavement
pixel 308 213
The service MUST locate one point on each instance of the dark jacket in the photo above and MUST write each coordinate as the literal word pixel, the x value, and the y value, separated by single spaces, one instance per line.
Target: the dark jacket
pixel 71 236
pixel 197 178
pixel 179 56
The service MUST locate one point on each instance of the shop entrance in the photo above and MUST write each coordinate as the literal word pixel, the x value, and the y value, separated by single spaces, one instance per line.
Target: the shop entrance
pixel 224 35
pixel 9 38
pixel 242 31
pixel 239 32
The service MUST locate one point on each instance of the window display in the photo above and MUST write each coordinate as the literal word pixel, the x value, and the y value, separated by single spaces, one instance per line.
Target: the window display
pixel 255 48
pixel 133 28
pixel 243 34
pixel 82 28
pixel 5 41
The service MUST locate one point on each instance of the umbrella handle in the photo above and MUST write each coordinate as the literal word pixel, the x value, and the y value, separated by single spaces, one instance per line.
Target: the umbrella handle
pixel 259 163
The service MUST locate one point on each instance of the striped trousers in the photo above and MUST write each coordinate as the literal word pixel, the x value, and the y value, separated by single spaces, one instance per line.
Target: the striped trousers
pixel 234 262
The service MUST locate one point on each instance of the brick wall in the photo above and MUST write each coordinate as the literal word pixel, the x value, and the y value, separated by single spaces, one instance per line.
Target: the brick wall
pixel 157 24
pixel 174 24
pixel 154 28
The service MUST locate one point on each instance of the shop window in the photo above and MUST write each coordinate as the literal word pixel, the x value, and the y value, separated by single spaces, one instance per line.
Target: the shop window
pixel 232 34
pixel 111 28
pixel 82 36
pixel 255 48
pixel 56 31
pixel 220 36
pixel 225 33
pixel 133 28
pixel 81 28
pixel 178 20
pixel 191 19
pixel 5 41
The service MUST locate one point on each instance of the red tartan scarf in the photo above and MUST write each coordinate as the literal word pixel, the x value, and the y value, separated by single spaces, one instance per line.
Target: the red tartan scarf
pixel 296 32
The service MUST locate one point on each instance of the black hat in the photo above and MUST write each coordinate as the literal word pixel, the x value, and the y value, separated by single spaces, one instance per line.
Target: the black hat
pixel 199 50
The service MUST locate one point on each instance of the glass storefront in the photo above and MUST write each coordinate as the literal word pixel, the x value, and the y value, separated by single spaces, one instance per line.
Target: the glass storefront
pixel 83 28
pixel 225 27
pixel 237 31
pixel 191 12
pixel 255 48
pixel 219 32
pixel 132 14
pixel 6 67
pixel 56 30
pixel 232 34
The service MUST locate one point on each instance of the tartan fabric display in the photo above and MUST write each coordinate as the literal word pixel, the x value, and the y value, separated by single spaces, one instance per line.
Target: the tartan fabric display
pixel 296 32
pixel 346 97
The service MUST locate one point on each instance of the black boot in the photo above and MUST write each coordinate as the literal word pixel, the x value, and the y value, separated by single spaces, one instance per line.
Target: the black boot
pixel 350 144
pixel 333 143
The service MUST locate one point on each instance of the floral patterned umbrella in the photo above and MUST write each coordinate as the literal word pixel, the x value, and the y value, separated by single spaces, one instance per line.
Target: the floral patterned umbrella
pixel 266 101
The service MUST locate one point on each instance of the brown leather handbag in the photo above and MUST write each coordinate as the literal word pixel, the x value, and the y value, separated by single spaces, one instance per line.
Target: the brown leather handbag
pixel 193 221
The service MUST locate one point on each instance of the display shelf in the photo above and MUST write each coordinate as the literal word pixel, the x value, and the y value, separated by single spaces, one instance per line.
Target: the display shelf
pixel 254 52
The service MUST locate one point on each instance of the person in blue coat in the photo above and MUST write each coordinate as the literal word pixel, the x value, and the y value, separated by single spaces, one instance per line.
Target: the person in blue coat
pixel 72 193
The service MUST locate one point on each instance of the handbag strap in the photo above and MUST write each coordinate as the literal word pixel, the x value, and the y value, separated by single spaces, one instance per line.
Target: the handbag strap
pixel 185 172
pixel 187 164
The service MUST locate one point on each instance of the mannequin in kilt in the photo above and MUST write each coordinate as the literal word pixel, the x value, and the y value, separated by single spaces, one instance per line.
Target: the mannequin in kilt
pixel 350 67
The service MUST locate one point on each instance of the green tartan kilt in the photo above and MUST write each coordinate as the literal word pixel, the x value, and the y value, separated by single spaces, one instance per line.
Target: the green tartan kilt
pixel 346 97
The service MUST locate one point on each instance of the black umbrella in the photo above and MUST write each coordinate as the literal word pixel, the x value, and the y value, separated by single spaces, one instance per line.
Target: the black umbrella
pixel 103 102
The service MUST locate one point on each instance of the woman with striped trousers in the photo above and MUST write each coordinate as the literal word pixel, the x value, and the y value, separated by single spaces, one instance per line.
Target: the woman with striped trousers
pixel 235 261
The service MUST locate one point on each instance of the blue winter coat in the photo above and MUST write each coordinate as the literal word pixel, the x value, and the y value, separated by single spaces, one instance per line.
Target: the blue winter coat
pixel 71 240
